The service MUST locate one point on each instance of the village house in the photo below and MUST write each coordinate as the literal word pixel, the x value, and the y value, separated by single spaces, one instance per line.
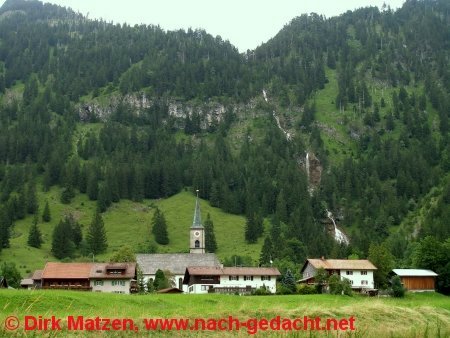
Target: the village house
pixel 99 277
pixel 32 282
pixel 358 271
pixel 417 280
pixel 242 280
pixel 113 277
pixel 176 264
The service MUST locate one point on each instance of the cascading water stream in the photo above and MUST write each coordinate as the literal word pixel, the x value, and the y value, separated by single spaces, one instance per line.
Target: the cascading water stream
pixel 339 236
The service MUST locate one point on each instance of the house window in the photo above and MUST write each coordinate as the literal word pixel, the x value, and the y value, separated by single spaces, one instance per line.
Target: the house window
pixel 265 277
pixel 180 283
pixel 248 277
pixel 351 282
pixel 364 282
pixel 349 273
pixel 118 282
pixel 204 287
pixel 363 273
pixel 234 277
pixel 191 288
pixel 98 283
pixel 197 243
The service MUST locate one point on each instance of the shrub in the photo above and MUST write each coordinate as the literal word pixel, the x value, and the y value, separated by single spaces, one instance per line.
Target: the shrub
pixel 304 289
pixel 398 290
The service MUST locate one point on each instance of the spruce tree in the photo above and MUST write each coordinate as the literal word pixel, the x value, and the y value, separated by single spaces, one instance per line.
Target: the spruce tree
pixel 32 200
pixel 289 281
pixel 46 216
pixel 161 281
pixel 265 257
pixel 251 234
pixel 4 228
pixel 159 228
pixel 96 236
pixel 210 237
pixel 77 235
pixel 34 235
pixel 62 243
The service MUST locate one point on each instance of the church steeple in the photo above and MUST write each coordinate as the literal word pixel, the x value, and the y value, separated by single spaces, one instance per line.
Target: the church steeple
pixel 197 232
pixel 197 222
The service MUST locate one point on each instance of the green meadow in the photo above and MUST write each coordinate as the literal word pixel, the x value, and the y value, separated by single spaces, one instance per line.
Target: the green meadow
pixel 416 315
pixel 129 223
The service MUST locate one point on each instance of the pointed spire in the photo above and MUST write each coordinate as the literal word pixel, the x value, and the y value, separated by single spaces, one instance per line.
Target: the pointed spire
pixel 197 222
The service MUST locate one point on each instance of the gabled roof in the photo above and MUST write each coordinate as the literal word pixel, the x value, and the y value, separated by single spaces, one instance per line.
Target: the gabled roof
pixel 414 273
pixel 100 270
pixel 175 263
pixel 37 275
pixel 340 264
pixel 55 270
pixel 233 271
pixel 26 282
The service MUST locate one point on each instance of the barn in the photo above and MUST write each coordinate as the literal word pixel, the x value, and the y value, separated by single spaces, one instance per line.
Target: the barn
pixel 417 279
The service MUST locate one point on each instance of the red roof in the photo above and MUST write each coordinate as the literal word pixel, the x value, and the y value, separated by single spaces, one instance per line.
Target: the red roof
pixel 54 270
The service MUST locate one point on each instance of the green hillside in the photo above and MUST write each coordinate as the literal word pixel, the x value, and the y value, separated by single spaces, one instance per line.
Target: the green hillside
pixel 129 223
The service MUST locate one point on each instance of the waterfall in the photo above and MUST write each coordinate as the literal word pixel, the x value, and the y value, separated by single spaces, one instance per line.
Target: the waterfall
pixel 277 119
pixel 339 236
pixel 307 166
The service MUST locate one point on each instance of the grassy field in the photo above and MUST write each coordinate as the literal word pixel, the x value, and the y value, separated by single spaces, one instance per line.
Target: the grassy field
pixel 417 315
pixel 129 223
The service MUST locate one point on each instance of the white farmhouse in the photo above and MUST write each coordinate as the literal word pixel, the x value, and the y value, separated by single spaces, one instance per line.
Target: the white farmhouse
pixel 358 271
pixel 230 279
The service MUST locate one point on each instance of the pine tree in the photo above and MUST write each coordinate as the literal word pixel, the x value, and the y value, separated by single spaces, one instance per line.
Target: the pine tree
pixel 46 216
pixel 32 201
pixel 159 228
pixel 4 228
pixel 265 257
pixel 77 234
pixel 96 237
pixel 251 234
pixel 210 237
pixel 62 243
pixel 140 280
pixel 161 281
pixel 34 235
pixel 289 281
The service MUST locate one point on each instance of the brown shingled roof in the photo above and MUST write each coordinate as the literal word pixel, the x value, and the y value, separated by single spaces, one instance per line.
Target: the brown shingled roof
pixel 340 264
pixel 99 270
pixel 67 270
pixel 37 275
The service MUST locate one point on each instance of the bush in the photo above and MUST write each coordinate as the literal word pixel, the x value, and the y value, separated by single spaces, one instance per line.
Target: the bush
pixel 398 290
pixel 304 289
pixel 283 290
pixel 262 291
pixel 338 286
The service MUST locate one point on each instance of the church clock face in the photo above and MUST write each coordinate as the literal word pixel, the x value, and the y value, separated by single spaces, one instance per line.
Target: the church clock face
pixel 197 234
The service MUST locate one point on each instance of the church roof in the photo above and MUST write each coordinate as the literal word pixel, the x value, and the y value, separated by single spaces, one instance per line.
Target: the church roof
pixel 175 263
pixel 197 222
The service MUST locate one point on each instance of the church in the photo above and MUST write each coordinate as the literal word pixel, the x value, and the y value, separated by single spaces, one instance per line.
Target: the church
pixel 178 262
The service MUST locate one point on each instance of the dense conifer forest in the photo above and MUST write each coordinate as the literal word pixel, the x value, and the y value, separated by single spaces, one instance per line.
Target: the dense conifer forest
pixel 367 92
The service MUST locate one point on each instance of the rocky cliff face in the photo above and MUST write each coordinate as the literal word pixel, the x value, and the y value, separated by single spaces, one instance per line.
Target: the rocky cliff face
pixel 210 113
pixel 313 169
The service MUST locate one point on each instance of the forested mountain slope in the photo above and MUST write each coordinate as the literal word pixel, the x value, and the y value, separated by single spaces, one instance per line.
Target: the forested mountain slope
pixel 121 112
